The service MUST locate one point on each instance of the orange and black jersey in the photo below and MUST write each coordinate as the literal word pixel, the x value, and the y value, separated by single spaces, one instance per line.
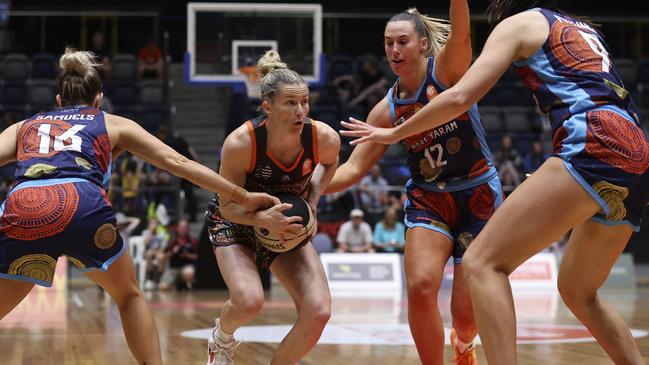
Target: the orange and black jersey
pixel 266 173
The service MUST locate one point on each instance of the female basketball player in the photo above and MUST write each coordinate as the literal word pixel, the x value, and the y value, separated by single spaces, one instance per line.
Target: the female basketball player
pixel 454 187
pixel 277 152
pixel 58 205
pixel 596 183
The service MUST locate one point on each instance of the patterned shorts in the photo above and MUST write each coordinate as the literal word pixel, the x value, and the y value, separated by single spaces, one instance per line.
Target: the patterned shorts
pixel 224 233
pixel 608 154
pixel 460 215
pixel 44 219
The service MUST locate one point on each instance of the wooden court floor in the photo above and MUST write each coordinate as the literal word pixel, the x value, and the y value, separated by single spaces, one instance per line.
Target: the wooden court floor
pixel 82 327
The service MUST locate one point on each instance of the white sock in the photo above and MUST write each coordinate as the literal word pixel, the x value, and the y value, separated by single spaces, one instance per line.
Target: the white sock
pixel 461 346
pixel 225 337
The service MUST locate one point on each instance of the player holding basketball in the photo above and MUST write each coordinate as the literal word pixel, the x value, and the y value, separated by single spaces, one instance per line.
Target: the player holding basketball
pixel 596 183
pixel 454 187
pixel 277 152
pixel 58 204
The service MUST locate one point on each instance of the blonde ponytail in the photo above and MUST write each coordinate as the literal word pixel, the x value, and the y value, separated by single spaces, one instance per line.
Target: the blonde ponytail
pixel 272 71
pixel 78 81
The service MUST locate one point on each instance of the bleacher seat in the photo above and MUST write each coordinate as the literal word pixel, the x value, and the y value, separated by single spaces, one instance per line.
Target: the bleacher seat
pixel 627 69
pixel 44 66
pixel 151 92
pixel 16 67
pixel 152 118
pixel 42 95
pixel 14 93
pixel 124 67
pixel 642 75
pixel 492 119
pixel 124 93
pixel 129 112
pixel 517 118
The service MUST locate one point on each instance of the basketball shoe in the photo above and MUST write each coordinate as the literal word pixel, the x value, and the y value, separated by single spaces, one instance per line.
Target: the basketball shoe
pixel 468 357
pixel 219 352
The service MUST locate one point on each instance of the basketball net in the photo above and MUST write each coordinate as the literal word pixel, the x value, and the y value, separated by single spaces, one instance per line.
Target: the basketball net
pixel 251 80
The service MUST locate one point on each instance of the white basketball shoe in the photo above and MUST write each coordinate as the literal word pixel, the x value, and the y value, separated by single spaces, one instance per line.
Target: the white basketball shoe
pixel 219 352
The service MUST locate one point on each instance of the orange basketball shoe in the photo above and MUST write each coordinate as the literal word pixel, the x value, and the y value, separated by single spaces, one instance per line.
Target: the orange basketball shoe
pixel 468 357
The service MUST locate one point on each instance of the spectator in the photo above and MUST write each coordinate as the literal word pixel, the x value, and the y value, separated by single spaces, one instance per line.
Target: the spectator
pixel 355 235
pixel 373 193
pixel 535 158
pixel 150 62
pixel 178 143
pixel 102 55
pixel 389 234
pixel 126 225
pixel 131 178
pixel 155 243
pixel 182 254
pixel 372 84
pixel 509 163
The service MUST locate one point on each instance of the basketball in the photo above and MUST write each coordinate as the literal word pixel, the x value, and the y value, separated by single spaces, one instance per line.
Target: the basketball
pixel 300 208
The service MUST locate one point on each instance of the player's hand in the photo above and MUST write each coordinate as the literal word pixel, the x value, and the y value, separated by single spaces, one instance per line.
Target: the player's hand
pixel 253 202
pixel 367 133
pixel 274 220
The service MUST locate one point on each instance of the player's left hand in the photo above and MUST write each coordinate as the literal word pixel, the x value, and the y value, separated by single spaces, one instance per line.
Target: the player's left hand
pixel 367 133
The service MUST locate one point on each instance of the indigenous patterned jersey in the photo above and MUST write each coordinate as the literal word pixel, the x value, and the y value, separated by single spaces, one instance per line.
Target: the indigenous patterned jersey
pixel 68 143
pixel 266 172
pixel 573 71
pixel 451 157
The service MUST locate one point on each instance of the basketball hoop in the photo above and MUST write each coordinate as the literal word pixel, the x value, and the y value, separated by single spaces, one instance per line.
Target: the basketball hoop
pixel 252 81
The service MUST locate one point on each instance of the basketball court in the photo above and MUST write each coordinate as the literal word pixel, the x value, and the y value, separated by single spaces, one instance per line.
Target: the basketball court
pixel 82 326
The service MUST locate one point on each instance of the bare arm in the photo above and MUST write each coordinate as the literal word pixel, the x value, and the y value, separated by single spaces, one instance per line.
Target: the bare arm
pixel 502 47
pixel 328 150
pixel 455 57
pixel 128 135
pixel 364 156
pixel 8 147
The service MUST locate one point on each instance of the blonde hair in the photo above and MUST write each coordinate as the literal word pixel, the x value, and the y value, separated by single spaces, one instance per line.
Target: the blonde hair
pixel 272 71
pixel 78 81
pixel 436 30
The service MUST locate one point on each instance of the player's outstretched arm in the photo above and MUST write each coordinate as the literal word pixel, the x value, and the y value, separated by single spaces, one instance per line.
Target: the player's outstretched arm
pixel 128 135
pixel 455 57
pixel 364 156
pixel 8 144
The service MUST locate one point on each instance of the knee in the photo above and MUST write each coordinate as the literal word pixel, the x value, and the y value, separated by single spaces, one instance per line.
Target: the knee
pixel 124 298
pixel 248 304
pixel 572 294
pixel 318 315
pixel 423 287
pixel 473 266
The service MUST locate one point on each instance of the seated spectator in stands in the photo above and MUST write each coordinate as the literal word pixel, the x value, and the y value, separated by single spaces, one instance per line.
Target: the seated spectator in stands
pixel 131 179
pixel 126 225
pixel 155 243
pixel 182 254
pixel 373 190
pixel 180 144
pixel 372 84
pixel 508 162
pixel 389 234
pixel 150 62
pixel 535 158
pixel 100 51
pixel 355 235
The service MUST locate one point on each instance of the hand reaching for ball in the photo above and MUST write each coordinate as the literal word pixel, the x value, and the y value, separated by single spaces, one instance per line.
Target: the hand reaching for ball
pixel 274 220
